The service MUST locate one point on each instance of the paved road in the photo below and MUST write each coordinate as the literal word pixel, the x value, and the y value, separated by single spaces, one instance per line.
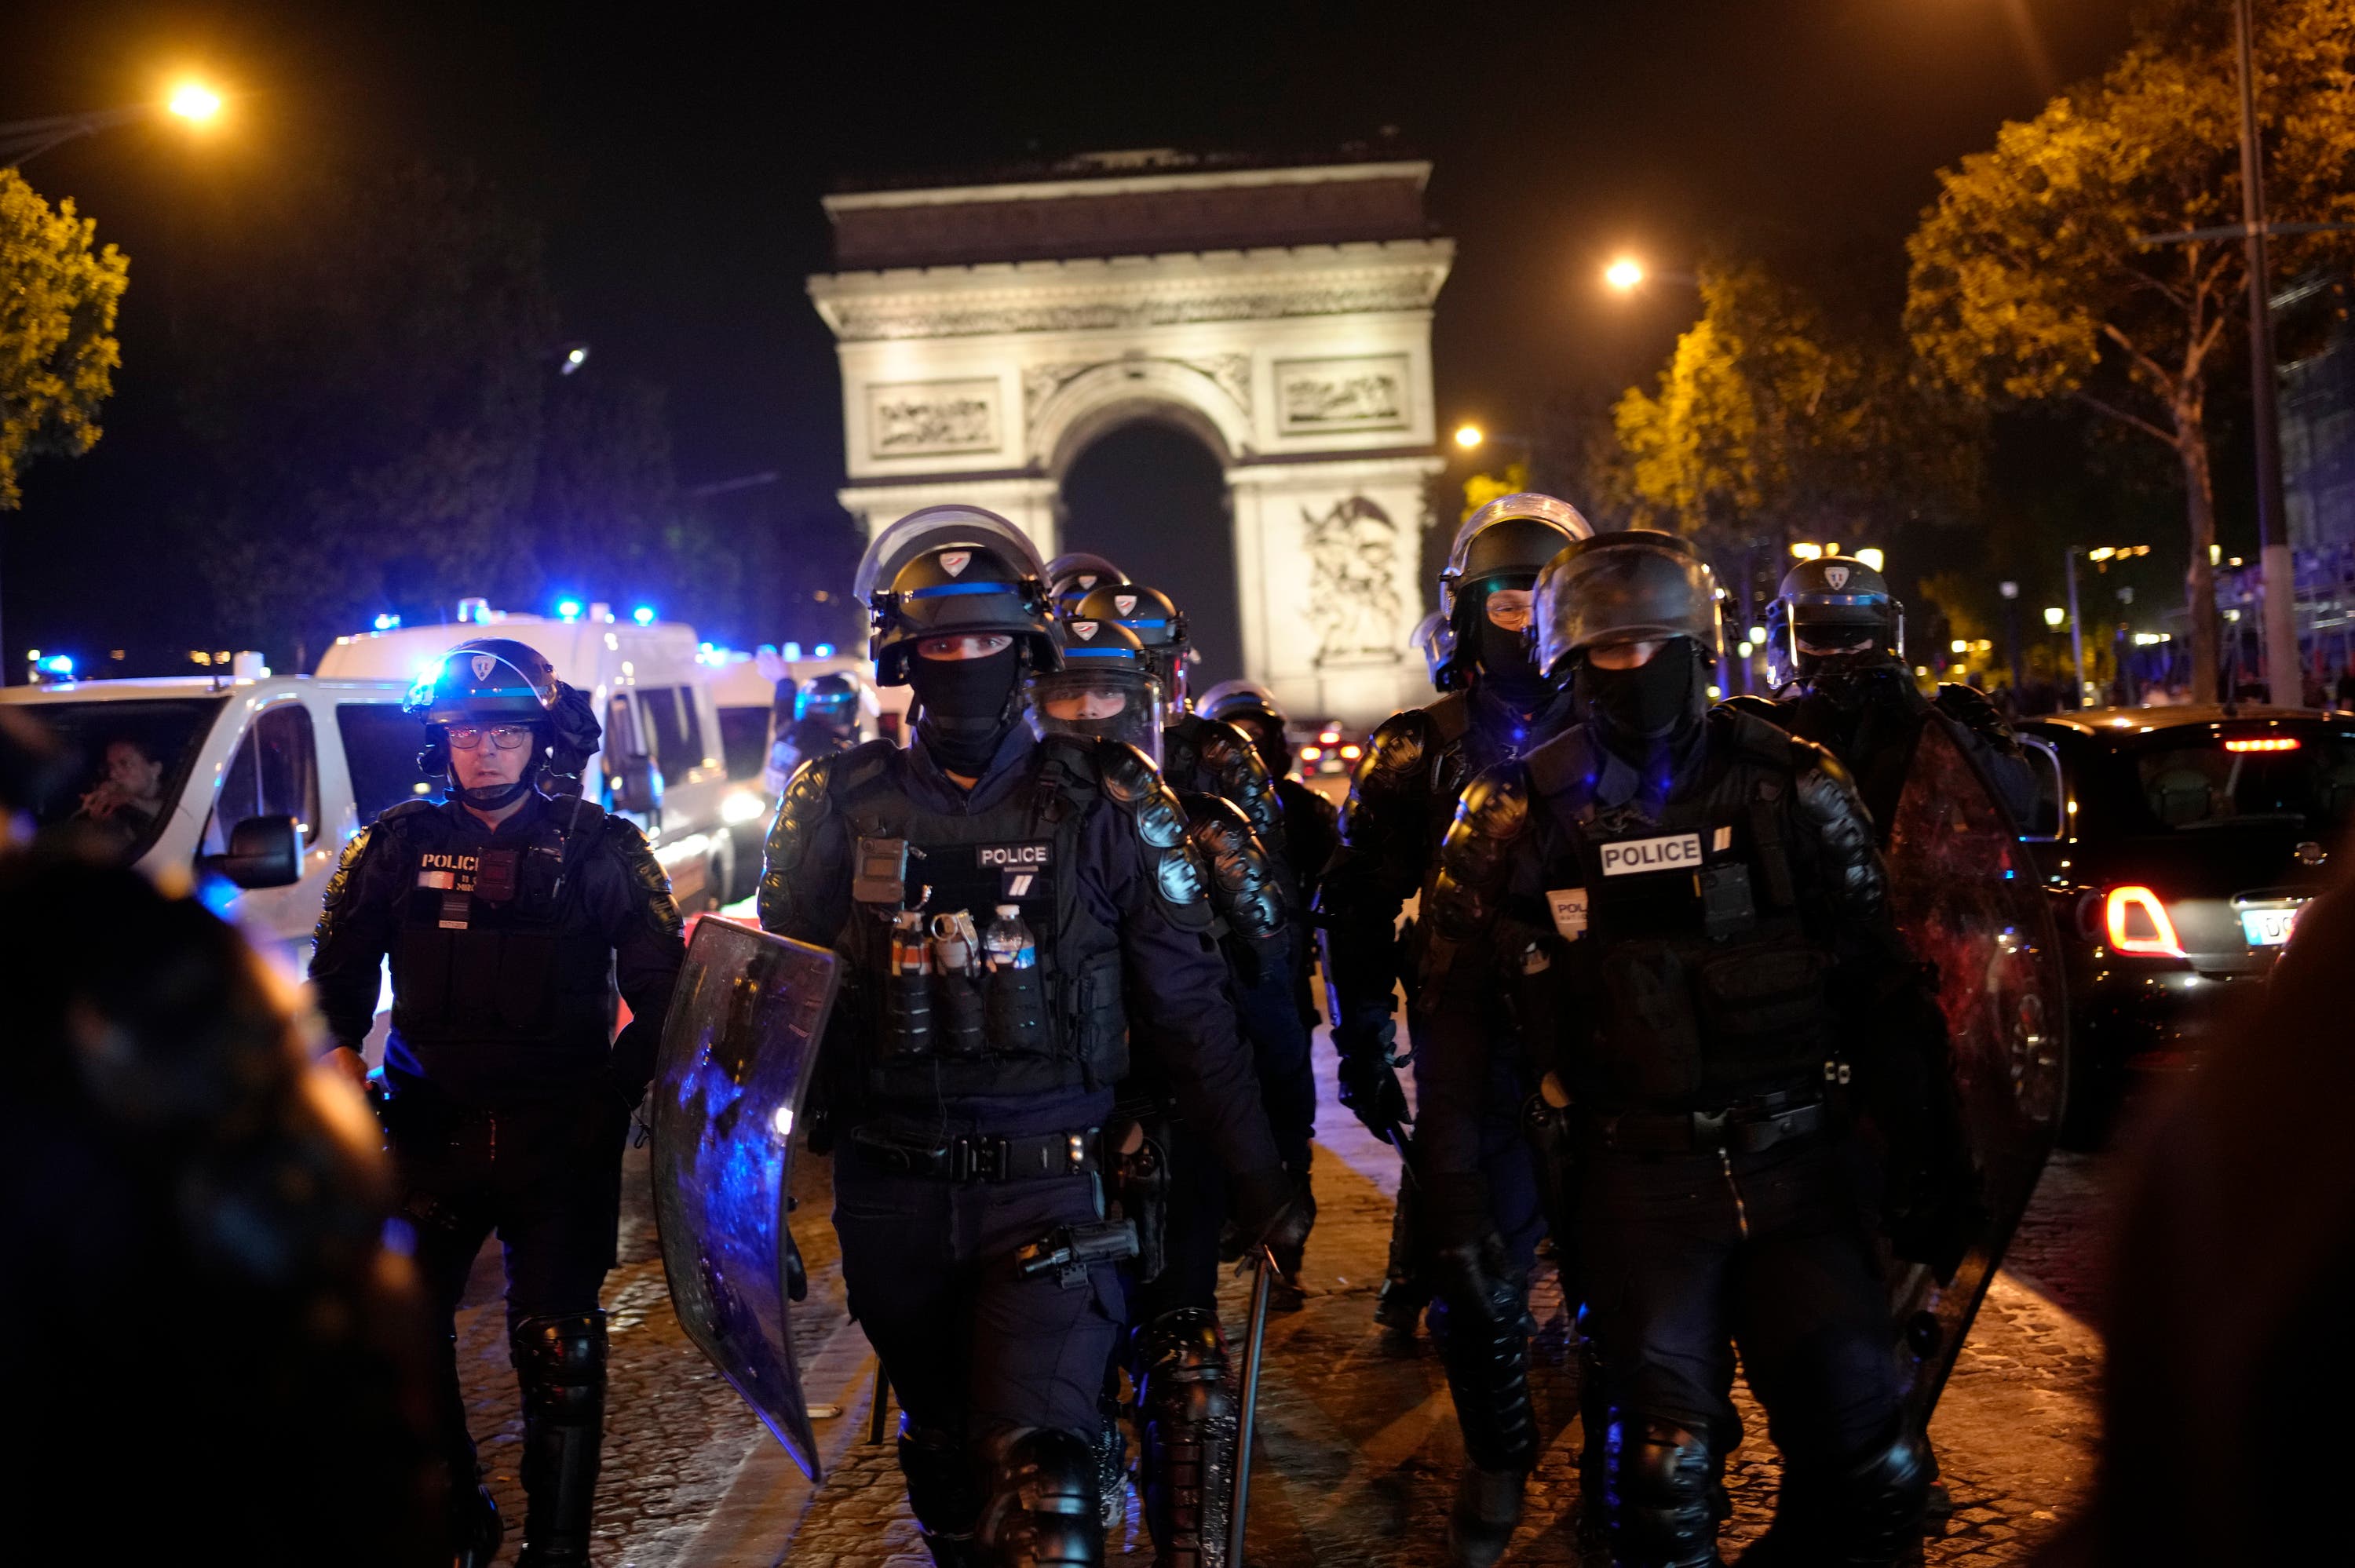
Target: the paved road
pixel 1359 1448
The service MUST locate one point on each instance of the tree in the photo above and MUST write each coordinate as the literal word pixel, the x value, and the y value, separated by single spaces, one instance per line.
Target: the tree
pixel 58 353
pixel 1778 419
pixel 2028 284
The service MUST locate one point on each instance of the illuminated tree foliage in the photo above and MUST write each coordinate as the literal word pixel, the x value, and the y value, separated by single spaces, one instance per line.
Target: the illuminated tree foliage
pixel 58 353
pixel 1777 419
pixel 2028 284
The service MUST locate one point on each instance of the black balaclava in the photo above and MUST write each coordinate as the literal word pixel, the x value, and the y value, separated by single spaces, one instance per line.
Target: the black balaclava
pixel 1509 665
pixel 1654 704
pixel 968 708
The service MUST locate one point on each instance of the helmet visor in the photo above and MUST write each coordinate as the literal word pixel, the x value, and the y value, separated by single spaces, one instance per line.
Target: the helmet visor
pixel 1628 590
pixel 938 527
pixel 1122 703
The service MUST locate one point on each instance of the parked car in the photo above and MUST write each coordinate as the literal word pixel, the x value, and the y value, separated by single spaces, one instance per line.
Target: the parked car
pixel 2178 846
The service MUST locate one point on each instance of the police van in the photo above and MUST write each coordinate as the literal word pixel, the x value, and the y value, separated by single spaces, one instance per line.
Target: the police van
pixel 245 781
pixel 662 766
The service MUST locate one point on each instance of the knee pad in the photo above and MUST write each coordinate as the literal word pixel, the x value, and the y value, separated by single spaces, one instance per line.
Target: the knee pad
pixel 942 1492
pixel 561 1361
pixel 1660 1485
pixel 1042 1506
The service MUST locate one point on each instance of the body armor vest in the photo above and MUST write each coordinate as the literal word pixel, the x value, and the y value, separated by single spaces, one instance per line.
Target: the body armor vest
pixel 1686 966
pixel 492 945
pixel 930 1034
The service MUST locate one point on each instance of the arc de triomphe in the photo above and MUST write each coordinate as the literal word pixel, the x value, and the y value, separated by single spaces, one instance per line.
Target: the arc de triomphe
pixel 987 334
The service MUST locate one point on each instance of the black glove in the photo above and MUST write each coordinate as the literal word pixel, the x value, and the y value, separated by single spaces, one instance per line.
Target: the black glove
pixel 796 1277
pixel 1276 1210
pixel 1369 1082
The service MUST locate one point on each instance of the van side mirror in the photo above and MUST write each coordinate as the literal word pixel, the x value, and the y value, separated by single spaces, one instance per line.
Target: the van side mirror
pixel 263 852
pixel 635 786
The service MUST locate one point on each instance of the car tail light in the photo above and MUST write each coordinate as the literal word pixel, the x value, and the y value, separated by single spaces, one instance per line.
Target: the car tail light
pixel 2265 743
pixel 2138 924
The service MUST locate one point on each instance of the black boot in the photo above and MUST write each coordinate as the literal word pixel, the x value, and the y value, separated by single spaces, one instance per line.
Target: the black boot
pixel 943 1493
pixel 478 1529
pixel 1186 1428
pixel 562 1364
pixel 1593 1513
pixel 1488 1507
pixel 1406 1292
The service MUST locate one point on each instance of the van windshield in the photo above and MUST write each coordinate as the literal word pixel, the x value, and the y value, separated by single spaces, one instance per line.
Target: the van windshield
pixel 130 762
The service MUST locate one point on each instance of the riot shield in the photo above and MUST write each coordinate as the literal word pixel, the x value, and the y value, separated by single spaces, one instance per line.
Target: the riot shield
pixel 738 1051
pixel 1967 896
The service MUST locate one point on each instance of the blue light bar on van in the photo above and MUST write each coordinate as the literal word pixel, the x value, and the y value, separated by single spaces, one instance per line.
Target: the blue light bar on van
pixel 643 615
pixel 823 651
pixel 387 622
pixel 568 609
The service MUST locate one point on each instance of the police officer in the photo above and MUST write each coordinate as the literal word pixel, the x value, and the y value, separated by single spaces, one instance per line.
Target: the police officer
pixel 1312 825
pixel 964 1101
pixel 1172 1180
pixel 1399 805
pixel 823 720
pixel 1835 658
pixel 504 911
pixel 1690 908
pixel 1204 756
pixel 1074 575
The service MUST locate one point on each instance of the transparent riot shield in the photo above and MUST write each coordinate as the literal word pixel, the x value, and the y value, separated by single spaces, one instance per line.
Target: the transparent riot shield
pixel 1967 896
pixel 738 1052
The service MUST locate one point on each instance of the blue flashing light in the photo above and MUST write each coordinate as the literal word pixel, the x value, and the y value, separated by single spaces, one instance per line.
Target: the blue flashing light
pixel 387 622
pixel 568 609
pixel 643 615
pixel 823 651
pixel 767 648
pixel 793 651
pixel 57 664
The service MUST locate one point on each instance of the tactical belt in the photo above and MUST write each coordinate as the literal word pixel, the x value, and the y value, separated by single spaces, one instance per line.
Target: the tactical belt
pixel 976 1160
pixel 1747 1127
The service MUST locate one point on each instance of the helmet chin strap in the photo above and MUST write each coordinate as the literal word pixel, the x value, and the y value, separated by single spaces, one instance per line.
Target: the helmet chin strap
pixel 491 798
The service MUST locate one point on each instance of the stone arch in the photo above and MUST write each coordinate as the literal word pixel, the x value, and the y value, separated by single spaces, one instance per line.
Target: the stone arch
pixel 988 333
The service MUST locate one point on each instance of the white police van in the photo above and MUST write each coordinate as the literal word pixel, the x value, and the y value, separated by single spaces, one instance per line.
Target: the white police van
pixel 663 764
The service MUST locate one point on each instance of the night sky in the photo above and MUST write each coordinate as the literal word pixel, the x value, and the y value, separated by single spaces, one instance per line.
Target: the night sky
pixel 677 158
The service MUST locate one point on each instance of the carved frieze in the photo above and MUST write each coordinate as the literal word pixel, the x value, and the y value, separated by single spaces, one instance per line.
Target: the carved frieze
pixel 858 319
pixel 1355 600
pixel 932 418
pixel 1230 372
pixel 1320 396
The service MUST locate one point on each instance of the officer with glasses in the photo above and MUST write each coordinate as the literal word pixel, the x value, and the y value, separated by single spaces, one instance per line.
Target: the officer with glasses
pixel 510 914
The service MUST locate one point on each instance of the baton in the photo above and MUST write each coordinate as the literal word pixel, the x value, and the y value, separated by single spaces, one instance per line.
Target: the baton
pixel 1255 1339
pixel 882 1402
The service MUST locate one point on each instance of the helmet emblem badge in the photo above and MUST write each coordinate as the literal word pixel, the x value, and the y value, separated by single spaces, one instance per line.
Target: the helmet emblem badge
pixel 1087 580
pixel 1836 576
pixel 1124 602
pixel 954 562
pixel 484 664
pixel 1085 631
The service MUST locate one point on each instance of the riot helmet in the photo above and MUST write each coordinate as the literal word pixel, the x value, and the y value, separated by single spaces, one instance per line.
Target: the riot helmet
pixel 1106 687
pixel 1157 623
pixel 1833 613
pixel 832 700
pixel 1075 574
pixel 486 685
pixel 1434 639
pixel 1500 549
pixel 949 571
pixel 1635 585
pixel 1251 708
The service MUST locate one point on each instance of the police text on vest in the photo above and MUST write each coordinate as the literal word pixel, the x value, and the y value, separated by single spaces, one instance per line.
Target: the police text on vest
pixel 1677 851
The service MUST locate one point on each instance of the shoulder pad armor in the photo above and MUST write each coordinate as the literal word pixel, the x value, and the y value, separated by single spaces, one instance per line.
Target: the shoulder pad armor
pixel 808 800
pixel 339 885
pixel 1757 738
pixel 416 806
pixel 1140 794
pixel 1401 743
pixel 1755 707
pixel 1243 779
pixel 1127 773
pixel 647 878
pixel 1243 886
pixel 1495 805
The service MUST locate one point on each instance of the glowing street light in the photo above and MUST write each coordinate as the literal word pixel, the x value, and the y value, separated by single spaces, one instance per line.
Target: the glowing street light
pixel 195 102
pixel 2055 615
pixel 1468 436
pixel 1623 274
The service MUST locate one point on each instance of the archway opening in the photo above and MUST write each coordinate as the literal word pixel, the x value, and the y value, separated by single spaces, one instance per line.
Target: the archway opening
pixel 1150 497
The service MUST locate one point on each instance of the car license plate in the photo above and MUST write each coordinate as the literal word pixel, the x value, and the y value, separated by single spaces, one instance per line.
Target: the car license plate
pixel 2268 927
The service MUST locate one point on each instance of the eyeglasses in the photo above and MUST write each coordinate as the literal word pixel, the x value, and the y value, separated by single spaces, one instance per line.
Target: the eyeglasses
pixel 506 737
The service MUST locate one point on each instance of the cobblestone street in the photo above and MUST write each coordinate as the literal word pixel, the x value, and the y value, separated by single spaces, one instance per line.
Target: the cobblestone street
pixel 1359 1449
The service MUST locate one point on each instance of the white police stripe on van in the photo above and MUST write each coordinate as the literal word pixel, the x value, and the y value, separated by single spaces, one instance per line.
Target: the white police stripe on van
pixel 1677 852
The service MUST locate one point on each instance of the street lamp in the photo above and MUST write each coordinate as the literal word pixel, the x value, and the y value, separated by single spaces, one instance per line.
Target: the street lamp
pixel 21 140
pixel 1624 274
pixel 1469 436
pixel 2055 615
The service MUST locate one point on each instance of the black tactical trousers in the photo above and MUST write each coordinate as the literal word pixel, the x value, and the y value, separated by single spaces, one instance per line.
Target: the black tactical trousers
pixel 1268 1014
pixel 1195 1214
pixel 545 1177
pixel 974 1351
pixel 1688 1255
